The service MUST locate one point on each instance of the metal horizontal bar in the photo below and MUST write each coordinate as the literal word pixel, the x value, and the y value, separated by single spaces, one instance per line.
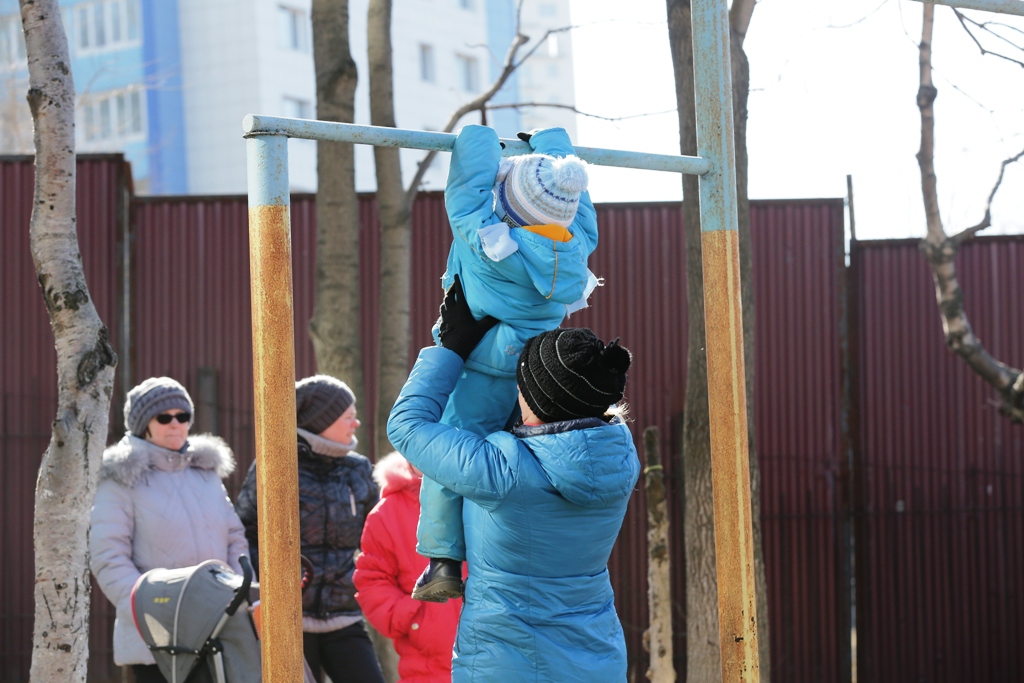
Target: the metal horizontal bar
pixel 253 125
pixel 1000 6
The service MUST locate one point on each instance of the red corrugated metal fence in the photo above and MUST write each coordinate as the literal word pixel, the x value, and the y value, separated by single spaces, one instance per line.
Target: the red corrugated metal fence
pixel 940 544
pixel 924 434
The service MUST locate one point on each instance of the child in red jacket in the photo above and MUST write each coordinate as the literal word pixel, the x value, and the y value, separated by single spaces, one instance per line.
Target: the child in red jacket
pixel 423 632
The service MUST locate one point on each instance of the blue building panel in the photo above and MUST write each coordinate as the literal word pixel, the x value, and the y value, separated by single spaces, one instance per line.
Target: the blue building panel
pixel 128 83
pixel 126 62
pixel 165 104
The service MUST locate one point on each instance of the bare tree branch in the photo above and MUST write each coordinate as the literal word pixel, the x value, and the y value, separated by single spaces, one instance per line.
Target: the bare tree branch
pixel 512 61
pixel 963 22
pixel 862 19
pixel 940 251
pixel 543 39
pixel 570 107
pixel 987 27
pixel 986 221
pixel 963 92
pixel 476 104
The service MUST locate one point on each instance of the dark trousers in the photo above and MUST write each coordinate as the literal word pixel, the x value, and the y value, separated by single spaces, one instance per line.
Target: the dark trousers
pixel 346 655
pixel 148 673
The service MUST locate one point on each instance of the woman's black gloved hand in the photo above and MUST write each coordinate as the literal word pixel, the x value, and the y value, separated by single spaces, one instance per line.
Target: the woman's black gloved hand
pixel 458 330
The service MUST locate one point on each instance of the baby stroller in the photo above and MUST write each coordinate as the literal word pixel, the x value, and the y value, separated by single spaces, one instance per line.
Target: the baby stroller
pixel 189 619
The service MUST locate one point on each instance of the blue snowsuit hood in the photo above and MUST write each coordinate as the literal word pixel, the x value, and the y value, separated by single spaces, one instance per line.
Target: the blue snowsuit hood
pixel 543 507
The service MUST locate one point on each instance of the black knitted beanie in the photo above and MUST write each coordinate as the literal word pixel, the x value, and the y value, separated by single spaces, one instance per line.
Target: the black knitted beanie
pixel 319 401
pixel 570 373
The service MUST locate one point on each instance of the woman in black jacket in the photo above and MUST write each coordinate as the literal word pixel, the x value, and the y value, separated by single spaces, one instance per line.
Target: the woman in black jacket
pixel 336 492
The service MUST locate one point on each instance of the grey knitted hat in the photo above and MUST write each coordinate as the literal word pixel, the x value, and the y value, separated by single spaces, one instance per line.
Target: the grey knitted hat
pixel 319 401
pixel 152 397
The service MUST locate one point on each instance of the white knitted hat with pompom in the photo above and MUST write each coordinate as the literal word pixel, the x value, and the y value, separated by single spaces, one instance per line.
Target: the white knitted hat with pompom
pixel 538 189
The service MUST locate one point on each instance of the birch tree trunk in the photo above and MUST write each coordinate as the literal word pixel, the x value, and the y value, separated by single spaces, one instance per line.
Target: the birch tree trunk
pixel 394 208
pixel 85 363
pixel 940 250
pixel 335 325
pixel 703 659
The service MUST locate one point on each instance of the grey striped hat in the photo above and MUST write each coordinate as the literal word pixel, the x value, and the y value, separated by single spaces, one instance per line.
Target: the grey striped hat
pixel 152 397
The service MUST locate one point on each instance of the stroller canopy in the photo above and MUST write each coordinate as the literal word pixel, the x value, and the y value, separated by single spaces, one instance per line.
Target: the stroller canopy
pixel 176 612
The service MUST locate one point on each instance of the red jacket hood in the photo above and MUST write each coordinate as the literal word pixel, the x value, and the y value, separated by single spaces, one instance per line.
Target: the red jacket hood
pixel 386 571
pixel 393 473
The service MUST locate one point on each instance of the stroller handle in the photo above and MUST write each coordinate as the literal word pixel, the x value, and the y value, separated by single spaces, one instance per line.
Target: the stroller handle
pixel 243 591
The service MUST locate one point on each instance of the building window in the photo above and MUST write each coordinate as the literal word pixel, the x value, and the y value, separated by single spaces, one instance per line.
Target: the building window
pixel 115 22
pixel 131 18
pixel 115 116
pixel 466 4
pixel 106 24
pixel 548 9
pixel 294 108
pixel 467 73
pixel 99 24
pixel 293 29
pixel 84 42
pixel 553 45
pixel 427 71
pixel 12 40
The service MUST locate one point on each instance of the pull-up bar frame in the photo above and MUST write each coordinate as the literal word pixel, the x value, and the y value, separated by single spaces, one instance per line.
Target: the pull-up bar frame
pixel 274 353
pixel 253 125
pixel 999 6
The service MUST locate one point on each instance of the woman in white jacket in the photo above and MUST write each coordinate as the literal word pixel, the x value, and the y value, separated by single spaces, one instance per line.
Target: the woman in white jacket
pixel 160 503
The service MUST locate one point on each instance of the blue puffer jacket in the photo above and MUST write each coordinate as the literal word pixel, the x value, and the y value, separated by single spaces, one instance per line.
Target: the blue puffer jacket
pixel 543 508
pixel 530 289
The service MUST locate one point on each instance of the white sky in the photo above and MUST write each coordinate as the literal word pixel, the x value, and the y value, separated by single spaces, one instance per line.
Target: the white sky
pixel 825 102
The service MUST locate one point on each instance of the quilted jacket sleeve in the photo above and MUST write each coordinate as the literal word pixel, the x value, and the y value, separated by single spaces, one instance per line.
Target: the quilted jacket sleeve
pixel 111 528
pixel 237 543
pixel 390 609
pixel 457 459
pixel 467 196
pixel 245 506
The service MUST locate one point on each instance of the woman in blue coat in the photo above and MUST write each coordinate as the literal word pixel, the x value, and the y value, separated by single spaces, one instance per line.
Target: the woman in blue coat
pixel 523 229
pixel 543 503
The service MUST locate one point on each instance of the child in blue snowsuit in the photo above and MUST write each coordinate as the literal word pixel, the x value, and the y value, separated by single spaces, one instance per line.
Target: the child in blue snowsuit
pixel 523 229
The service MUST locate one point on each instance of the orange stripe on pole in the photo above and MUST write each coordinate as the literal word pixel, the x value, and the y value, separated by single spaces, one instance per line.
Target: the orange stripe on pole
pixel 277 472
pixel 730 465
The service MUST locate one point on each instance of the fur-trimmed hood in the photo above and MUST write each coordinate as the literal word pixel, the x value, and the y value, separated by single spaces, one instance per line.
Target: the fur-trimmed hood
pixel 129 460
pixel 393 473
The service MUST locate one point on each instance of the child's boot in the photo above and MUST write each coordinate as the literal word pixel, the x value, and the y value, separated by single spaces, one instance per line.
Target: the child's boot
pixel 442 579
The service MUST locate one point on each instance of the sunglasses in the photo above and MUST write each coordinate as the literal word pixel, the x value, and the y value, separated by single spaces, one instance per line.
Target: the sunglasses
pixel 165 419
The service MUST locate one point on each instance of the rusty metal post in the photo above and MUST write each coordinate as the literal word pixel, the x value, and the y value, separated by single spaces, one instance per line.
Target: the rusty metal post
pixel 277 473
pixel 727 397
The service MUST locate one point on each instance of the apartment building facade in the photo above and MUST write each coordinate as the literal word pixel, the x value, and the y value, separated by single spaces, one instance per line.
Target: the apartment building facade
pixel 167 82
